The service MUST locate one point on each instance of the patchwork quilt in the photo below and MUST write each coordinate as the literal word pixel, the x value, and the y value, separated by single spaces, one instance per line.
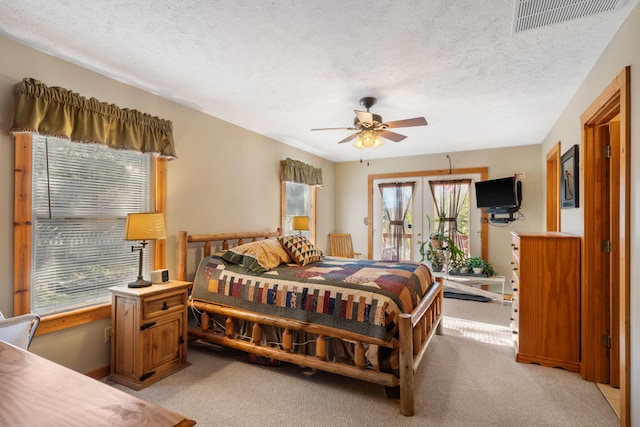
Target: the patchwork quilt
pixel 361 296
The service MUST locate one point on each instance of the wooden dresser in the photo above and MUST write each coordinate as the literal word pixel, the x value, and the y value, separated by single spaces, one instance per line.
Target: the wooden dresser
pixel 545 318
pixel 149 332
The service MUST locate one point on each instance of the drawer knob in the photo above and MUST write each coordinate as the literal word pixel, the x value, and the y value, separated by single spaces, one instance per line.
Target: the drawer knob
pixel 515 310
pixel 165 306
pixel 514 289
pixel 514 268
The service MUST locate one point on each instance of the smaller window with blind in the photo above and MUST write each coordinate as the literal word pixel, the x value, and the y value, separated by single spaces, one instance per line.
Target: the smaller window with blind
pixel 298 207
pixel 298 197
pixel 81 195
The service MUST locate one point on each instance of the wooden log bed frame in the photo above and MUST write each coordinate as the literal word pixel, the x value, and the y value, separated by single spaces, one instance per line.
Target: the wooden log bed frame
pixel 415 329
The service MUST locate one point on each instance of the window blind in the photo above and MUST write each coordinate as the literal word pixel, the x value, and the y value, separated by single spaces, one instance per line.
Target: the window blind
pixel 81 195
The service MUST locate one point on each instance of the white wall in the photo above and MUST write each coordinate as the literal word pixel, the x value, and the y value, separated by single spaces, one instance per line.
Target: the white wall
pixel 352 179
pixel 226 179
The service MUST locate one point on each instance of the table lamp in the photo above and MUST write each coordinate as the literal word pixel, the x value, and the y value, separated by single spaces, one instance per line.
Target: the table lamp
pixel 143 226
pixel 300 223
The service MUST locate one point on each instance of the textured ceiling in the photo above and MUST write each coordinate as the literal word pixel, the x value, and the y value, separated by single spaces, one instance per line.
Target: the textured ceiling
pixel 282 67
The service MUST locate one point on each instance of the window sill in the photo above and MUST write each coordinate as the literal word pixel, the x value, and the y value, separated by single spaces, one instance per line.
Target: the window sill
pixel 61 321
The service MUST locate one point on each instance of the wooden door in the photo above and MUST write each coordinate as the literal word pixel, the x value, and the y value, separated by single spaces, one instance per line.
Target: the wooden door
pixel 606 267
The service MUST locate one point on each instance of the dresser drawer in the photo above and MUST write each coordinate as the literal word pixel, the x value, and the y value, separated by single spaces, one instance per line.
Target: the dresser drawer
pixel 163 304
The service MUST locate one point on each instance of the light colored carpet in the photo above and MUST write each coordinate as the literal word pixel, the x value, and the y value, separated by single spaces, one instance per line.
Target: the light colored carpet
pixel 468 378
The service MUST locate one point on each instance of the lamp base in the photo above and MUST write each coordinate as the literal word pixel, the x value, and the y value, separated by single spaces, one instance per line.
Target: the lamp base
pixel 140 283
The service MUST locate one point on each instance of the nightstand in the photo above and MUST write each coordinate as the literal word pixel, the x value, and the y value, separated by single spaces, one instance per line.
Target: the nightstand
pixel 149 332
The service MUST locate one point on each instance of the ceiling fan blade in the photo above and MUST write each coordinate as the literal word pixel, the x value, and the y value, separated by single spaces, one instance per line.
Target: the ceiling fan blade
pixel 349 138
pixel 417 121
pixel 349 128
pixel 364 117
pixel 395 137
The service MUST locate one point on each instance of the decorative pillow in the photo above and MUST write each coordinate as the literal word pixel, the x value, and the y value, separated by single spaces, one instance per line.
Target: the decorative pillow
pixel 259 256
pixel 300 249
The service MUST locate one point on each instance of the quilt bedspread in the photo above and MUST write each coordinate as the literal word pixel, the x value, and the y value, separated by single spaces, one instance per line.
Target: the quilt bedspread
pixel 361 296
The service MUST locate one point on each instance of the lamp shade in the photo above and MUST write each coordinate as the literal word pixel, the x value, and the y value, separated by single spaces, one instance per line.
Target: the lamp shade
pixel 145 226
pixel 300 223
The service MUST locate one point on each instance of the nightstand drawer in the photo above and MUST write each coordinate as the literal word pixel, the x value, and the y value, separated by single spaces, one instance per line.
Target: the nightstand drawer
pixel 163 304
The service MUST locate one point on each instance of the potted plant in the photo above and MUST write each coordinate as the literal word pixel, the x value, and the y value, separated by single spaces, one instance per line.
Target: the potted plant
pixel 456 264
pixel 438 259
pixel 437 233
pixel 480 266
pixel 457 257
pixel 476 264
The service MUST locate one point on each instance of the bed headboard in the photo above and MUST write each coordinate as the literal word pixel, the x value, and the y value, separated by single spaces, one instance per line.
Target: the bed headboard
pixel 207 239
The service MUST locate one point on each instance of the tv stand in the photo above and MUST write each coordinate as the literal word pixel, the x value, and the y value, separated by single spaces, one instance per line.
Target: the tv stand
pixel 501 220
pixel 492 212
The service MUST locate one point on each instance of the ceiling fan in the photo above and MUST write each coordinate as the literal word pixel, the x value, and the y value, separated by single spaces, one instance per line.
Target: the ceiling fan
pixel 369 127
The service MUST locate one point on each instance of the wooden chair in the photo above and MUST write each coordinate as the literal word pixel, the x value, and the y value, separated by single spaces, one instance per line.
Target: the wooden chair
pixel 340 246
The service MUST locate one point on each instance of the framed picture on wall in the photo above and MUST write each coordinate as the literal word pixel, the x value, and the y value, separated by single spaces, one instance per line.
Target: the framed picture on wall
pixel 569 180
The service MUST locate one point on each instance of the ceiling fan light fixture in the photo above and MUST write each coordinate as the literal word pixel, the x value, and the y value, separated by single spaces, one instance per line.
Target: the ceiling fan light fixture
pixel 371 131
pixel 368 139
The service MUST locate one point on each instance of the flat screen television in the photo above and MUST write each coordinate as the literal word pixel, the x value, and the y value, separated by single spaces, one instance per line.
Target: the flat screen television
pixel 498 195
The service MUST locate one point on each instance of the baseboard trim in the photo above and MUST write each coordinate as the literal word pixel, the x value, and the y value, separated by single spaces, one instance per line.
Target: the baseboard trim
pixel 99 373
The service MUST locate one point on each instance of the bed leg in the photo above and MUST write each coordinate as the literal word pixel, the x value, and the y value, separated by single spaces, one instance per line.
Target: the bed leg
pixel 406 365
pixel 438 308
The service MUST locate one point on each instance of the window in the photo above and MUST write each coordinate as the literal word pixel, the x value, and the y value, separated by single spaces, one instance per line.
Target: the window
pixel 451 206
pixel 298 200
pixel 57 111
pixel 43 266
pixel 81 194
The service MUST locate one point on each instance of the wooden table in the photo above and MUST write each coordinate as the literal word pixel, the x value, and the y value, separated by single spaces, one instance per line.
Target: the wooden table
pixel 37 392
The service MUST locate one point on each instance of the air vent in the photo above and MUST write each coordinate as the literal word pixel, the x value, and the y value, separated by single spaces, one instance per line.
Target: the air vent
pixel 530 14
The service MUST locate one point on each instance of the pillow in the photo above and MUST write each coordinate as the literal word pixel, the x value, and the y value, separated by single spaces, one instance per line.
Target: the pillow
pixel 259 256
pixel 300 249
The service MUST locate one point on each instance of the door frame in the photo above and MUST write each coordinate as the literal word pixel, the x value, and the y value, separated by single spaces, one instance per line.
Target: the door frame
pixel 483 172
pixel 553 188
pixel 615 99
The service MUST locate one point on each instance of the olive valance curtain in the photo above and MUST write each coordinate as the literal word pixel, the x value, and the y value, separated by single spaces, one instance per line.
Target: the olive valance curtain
pixel 302 173
pixel 55 111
